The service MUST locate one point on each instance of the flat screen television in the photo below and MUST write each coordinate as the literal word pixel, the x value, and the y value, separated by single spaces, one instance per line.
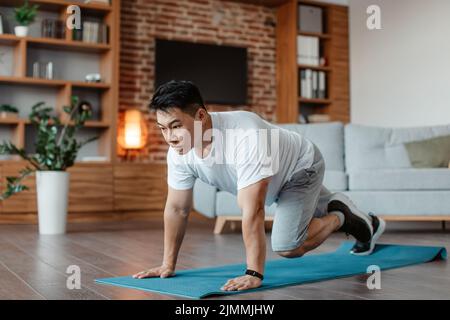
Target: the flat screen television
pixel 220 72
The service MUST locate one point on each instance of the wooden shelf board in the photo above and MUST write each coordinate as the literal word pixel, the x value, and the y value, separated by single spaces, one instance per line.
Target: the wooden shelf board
pixel 265 3
pixel 93 85
pixel 17 159
pixel 319 3
pixel 51 83
pixel 9 39
pixel 315 101
pixel 88 124
pixel 96 124
pixel 323 36
pixel 319 68
pixel 59 5
pixel 60 44
pixel 68 44
pixel 32 81
pixel 13 121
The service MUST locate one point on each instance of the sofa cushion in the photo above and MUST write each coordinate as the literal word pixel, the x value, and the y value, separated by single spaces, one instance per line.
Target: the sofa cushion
pixel 335 180
pixel 369 147
pixel 429 153
pixel 204 198
pixel 400 179
pixel 328 137
pixel 423 203
pixel 226 205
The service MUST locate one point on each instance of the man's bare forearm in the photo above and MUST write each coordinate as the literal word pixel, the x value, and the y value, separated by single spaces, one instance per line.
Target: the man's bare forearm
pixel 255 240
pixel 174 230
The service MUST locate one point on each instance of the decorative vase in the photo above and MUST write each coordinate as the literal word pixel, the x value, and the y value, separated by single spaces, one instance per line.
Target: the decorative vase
pixel 52 197
pixel 21 31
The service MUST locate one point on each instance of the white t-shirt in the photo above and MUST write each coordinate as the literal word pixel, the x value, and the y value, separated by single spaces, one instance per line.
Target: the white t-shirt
pixel 245 149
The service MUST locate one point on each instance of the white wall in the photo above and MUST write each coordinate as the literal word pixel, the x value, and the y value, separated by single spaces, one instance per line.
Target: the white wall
pixel 400 75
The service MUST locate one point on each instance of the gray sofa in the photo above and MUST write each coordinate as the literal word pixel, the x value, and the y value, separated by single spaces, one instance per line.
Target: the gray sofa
pixel 369 164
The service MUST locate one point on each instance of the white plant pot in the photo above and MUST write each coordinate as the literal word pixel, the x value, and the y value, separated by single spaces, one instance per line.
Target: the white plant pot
pixel 21 31
pixel 52 196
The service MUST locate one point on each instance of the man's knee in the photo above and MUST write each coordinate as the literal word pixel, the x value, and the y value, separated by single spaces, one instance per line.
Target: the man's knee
pixel 294 253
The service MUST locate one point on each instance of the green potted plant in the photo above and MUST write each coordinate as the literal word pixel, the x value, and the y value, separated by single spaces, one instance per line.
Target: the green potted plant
pixel 8 111
pixel 25 15
pixel 56 150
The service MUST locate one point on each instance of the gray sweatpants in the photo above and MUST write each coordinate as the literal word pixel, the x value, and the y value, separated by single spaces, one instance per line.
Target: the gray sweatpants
pixel 300 199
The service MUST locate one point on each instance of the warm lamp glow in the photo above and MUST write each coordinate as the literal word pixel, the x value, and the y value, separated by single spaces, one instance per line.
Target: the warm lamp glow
pixel 133 131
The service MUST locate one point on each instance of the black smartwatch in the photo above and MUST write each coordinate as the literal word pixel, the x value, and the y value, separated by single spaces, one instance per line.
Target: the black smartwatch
pixel 254 273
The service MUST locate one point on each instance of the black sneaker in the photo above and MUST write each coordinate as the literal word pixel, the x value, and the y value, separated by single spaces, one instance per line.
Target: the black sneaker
pixel 357 223
pixel 366 248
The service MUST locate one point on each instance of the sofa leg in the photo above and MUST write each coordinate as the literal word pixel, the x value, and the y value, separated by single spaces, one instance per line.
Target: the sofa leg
pixel 220 225
pixel 233 225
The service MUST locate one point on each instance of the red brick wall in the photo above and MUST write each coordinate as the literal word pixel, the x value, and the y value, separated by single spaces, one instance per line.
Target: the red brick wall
pixel 204 21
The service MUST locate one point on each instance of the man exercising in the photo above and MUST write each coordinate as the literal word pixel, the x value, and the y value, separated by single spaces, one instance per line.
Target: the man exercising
pixel 261 163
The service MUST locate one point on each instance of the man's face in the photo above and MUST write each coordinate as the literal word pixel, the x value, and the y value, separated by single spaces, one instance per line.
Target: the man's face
pixel 177 128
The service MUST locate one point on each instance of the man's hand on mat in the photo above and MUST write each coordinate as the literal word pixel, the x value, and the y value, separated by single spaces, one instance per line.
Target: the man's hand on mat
pixel 242 283
pixel 163 272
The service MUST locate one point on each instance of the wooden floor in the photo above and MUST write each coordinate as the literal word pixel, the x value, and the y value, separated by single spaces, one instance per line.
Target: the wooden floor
pixel 34 267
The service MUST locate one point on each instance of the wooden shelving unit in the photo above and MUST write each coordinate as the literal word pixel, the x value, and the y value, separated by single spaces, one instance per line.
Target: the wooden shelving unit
pixel 334 44
pixel 55 5
pixel 91 194
pixel 107 55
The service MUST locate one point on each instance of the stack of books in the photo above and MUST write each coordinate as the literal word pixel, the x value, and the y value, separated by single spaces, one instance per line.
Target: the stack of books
pixel 313 84
pixel 52 28
pixel 92 32
pixel 317 118
pixel 313 118
pixel 308 50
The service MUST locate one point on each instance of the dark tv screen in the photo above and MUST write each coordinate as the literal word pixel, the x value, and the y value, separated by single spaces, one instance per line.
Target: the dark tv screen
pixel 220 72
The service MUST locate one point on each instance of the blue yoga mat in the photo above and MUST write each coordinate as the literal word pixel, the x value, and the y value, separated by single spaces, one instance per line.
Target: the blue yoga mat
pixel 201 283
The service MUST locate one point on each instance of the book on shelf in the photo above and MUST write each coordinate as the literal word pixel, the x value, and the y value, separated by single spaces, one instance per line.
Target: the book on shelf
pixel 107 2
pixel 313 118
pixel 103 33
pixel 93 36
pixel 315 84
pixel 322 85
pixel 308 51
pixel 312 84
pixel 92 32
pixel 310 19
pixel 317 118
pixel 53 28
pixel 302 118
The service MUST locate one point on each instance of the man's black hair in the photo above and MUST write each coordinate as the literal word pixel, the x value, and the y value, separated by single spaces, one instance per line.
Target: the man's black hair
pixel 177 94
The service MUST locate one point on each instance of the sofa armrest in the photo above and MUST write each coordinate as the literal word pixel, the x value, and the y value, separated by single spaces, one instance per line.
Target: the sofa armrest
pixel 204 198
